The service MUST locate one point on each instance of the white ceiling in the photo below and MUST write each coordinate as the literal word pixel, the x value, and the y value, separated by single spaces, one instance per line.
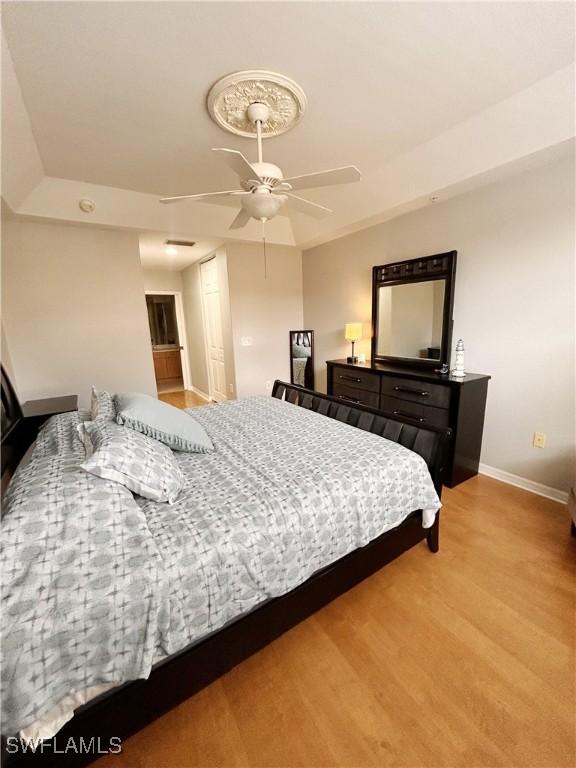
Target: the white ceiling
pixel 116 91
pixel 153 253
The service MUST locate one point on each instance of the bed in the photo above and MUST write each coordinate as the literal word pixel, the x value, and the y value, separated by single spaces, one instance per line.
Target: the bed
pixel 159 599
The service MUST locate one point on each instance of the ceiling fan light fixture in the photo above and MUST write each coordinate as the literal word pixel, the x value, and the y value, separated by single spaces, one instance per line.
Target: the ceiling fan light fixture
pixel 262 204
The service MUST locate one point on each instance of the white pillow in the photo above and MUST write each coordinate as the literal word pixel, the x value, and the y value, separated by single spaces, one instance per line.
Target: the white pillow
pixel 142 465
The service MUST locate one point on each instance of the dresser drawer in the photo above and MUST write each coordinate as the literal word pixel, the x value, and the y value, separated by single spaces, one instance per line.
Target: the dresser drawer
pixel 423 414
pixel 414 391
pixel 356 396
pixel 355 378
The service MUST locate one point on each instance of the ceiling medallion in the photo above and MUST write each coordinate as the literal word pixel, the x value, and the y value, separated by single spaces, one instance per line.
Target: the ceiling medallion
pixel 229 99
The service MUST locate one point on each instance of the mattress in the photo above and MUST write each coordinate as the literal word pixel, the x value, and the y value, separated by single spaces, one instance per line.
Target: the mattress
pixel 100 584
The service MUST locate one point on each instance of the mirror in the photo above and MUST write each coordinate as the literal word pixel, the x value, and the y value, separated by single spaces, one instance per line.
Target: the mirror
pixel 162 321
pixel 412 310
pixel 410 320
pixel 302 358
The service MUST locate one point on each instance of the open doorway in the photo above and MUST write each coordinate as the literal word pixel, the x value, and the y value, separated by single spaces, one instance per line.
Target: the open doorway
pixel 168 339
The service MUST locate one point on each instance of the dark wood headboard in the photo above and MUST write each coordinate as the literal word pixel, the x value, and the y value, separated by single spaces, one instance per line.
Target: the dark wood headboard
pixel 13 438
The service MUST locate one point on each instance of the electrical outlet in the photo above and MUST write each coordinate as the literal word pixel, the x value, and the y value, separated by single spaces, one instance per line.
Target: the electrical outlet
pixel 539 440
pixel 246 341
pixel 268 386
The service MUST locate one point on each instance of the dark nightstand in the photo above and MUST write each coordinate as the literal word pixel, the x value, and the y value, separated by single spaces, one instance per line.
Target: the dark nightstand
pixel 36 412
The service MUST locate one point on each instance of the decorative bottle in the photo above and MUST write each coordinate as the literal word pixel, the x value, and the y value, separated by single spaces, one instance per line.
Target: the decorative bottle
pixel 459 371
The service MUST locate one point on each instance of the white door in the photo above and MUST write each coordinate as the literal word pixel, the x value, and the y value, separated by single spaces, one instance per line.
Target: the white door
pixel 213 330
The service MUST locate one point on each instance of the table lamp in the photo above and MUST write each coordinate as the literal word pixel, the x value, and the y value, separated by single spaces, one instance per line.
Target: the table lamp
pixel 353 332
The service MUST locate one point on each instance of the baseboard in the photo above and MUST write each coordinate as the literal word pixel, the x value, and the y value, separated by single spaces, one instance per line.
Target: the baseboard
pixel 524 483
pixel 200 393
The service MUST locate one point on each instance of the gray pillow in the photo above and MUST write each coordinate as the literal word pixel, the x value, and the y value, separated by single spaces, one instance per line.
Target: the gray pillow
pixel 101 405
pixel 135 461
pixel 163 422
pixel 299 350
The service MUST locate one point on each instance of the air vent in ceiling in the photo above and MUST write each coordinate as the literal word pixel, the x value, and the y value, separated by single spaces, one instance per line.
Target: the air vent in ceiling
pixel 187 243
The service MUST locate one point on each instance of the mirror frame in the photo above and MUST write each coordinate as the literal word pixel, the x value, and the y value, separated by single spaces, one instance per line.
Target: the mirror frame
pixel 309 379
pixel 440 266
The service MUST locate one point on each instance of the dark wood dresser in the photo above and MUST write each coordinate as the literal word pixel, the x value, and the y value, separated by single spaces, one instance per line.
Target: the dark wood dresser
pixel 423 397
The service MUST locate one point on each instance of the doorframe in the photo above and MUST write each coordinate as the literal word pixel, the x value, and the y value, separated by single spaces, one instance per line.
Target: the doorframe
pixel 182 335
pixel 211 389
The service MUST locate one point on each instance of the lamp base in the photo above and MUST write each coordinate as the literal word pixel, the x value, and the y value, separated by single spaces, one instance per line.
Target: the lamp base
pixel 353 359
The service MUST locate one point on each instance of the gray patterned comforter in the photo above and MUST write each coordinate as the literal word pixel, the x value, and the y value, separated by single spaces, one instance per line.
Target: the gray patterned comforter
pixel 99 584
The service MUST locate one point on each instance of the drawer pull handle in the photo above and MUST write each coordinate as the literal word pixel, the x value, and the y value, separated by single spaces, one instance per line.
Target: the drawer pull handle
pixel 421 392
pixel 409 416
pixel 349 399
pixel 350 378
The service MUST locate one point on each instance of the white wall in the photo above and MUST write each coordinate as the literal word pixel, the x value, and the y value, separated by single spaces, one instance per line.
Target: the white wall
pixel 74 311
pixel 264 308
pixel 514 305
pixel 162 280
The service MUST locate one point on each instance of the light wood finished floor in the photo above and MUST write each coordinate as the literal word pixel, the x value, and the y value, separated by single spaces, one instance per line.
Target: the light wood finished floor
pixel 169 385
pixel 462 659
pixel 183 399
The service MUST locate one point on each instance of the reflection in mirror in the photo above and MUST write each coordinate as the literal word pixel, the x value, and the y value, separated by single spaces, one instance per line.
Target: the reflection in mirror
pixel 162 321
pixel 302 358
pixel 410 317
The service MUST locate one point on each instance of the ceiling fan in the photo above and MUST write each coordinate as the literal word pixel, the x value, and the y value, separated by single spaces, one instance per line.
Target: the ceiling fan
pixel 264 190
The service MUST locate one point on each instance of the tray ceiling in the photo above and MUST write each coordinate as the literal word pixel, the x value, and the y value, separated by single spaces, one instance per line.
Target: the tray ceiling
pixel 116 91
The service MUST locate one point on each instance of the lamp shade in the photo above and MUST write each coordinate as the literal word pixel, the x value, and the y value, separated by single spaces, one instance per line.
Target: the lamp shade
pixel 353 331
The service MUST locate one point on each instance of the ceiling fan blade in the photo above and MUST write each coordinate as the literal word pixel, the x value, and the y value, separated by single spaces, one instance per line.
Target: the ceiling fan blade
pixel 307 207
pixel 215 196
pixel 241 220
pixel 238 163
pixel 325 178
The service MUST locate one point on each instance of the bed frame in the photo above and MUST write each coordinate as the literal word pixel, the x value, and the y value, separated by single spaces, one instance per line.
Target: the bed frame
pixel 134 705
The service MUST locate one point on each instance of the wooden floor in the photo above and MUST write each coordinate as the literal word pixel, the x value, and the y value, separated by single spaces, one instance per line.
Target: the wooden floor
pixel 169 385
pixel 183 399
pixel 462 659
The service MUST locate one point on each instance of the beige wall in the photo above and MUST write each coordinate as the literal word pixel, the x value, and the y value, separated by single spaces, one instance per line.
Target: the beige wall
pixel 192 300
pixel 74 312
pixel 162 280
pixel 514 305
pixel 6 357
pixel 265 309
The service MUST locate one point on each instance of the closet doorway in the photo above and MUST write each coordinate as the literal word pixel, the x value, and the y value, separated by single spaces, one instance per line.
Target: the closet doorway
pixel 213 332
pixel 168 339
